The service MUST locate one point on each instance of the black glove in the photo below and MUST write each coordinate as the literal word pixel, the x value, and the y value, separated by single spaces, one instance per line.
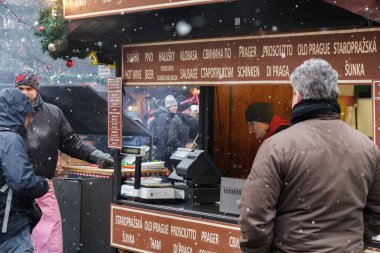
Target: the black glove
pixel 102 159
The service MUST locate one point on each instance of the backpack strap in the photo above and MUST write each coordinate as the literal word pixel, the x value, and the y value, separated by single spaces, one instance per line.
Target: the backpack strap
pixel 7 207
pixel 9 196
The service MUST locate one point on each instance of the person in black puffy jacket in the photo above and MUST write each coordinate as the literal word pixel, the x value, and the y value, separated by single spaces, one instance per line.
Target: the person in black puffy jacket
pixel 183 128
pixel 19 185
pixel 163 151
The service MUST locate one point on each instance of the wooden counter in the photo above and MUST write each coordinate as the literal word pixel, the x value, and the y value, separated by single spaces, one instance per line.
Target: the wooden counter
pixel 94 171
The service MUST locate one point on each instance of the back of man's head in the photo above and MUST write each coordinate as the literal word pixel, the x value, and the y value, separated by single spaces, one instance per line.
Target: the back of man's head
pixel 182 103
pixel 315 79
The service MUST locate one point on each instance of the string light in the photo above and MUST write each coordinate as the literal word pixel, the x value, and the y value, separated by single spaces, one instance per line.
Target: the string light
pixel 18 18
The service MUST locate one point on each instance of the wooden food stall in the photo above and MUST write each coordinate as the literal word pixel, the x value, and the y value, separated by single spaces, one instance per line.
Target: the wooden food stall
pixel 237 52
pixel 264 59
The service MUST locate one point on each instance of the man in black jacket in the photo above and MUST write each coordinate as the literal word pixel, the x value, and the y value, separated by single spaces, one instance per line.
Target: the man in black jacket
pixel 263 122
pixel 183 128
pixel 163 151
pixel 49 132
pixel 19 185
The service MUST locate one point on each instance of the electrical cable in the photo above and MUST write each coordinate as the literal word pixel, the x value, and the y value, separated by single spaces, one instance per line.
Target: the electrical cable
pixel 18 18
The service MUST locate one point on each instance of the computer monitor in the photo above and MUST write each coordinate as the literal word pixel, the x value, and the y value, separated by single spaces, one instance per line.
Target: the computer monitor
pixel 179 155
pixel 197 168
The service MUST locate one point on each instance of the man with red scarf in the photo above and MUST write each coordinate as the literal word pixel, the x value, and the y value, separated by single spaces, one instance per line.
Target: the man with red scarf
pixel 262 121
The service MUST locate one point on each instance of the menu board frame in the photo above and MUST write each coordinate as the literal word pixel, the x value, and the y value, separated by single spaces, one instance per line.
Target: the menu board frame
pixel 142 230
pixel 260 59
pixel 376 111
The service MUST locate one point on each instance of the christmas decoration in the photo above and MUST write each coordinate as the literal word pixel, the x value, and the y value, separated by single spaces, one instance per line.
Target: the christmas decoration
pixel 93 58
pixel 69 63
pixel 41 29
pixel 51 18
pixel 112 66
pixel 48 66
pixel 52 47
pixel 54 13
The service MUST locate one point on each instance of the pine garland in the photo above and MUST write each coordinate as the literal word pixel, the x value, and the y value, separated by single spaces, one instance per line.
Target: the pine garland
pixel 54 32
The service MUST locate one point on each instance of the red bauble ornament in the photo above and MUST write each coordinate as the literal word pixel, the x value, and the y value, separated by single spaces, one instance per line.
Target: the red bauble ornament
pixel 41 29
pixel 48 66
pixel 69 63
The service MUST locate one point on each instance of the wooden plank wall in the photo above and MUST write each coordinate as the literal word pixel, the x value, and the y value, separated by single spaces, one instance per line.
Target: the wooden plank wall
pixel 233 147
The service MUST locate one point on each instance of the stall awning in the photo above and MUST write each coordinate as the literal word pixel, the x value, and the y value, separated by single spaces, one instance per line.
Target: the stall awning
pixel 97 8
pixel 214 20
pixel 86 110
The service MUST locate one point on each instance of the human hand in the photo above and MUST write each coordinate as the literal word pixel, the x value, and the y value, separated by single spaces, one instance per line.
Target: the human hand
pixel 103 160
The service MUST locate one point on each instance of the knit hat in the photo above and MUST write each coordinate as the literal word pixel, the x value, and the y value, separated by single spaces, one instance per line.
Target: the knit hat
pixel 28 77
pixel 170 101
pixel 261 112
pixel 182 105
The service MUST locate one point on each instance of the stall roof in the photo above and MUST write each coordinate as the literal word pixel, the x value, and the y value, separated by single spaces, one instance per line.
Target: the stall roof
pixel 86 110
pixel 369 9
pixel 241 17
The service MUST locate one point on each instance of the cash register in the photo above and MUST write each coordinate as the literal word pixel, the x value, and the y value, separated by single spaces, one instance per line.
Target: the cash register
pixel 195 179
pixel 197 176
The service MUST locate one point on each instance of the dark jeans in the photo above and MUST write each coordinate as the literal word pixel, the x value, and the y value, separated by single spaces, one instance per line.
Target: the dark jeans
pixel 20 243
